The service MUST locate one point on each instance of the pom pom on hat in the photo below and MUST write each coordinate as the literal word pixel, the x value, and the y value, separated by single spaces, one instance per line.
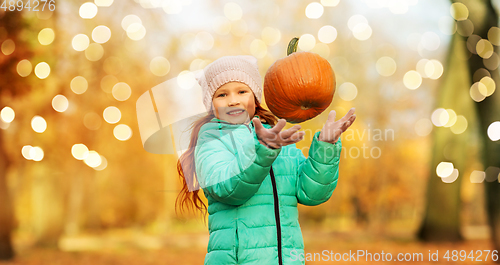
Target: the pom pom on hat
pixel 240 68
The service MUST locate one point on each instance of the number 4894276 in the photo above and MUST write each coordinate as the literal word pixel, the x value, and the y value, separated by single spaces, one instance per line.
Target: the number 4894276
pixel 455 255
pixel 35 5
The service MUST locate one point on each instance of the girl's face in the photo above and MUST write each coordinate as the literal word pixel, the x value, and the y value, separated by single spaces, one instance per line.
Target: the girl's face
pixel 234 102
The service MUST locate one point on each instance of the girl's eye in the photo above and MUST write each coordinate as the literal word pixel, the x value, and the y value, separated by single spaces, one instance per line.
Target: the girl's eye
pixel 220 95
pixel 243 91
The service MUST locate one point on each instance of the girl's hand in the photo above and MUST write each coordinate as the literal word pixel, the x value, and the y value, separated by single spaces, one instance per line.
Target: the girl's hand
pixel 274 137
pixel 333 129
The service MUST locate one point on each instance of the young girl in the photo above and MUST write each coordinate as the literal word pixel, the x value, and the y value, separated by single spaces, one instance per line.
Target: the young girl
pixel 250 171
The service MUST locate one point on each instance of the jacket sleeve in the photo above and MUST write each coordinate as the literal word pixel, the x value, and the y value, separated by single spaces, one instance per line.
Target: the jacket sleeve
pixel 318 174
pixel 231 174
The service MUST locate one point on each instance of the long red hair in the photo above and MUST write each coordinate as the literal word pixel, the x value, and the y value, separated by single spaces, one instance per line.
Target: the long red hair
pixel 190 200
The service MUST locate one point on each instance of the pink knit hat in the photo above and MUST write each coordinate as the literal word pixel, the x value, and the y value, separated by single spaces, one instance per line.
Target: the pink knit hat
pixel 241 68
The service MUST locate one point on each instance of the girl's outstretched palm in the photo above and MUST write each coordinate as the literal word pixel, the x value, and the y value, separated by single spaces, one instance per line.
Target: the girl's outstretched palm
pixel 333 129
pixel 274 137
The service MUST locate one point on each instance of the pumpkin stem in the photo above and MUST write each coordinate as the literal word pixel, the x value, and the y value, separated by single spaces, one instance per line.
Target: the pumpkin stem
pixel 292 46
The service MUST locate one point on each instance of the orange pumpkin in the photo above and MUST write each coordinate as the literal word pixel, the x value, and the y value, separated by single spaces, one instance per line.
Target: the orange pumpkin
pixel 300 86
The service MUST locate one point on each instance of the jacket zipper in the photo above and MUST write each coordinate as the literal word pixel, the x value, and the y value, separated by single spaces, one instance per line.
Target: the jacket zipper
pixel 276 202
pixel 277 216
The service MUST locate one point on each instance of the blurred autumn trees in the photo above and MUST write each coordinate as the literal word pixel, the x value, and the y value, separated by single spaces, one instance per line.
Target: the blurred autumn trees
pixel 10 86
pixel 466 66
pixel 488 111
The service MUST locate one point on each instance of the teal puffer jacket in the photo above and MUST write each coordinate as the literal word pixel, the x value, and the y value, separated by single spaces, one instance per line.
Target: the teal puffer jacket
pixel 247 197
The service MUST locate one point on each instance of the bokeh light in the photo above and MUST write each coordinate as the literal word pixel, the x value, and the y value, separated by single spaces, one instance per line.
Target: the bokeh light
pixel 36 153
pixel 472 41
pixel 362 31
pixel 93 159
pixel 460 125
pixel 314 10
pixel 79 151
pixel 271 36
pixel 484 48
pixel 186 80
pixel 307 42
pixel 88 10
pixel 38 124
pixel 112 114
pixel 122 132
pixel 108 82
pixel 80 42
pixel 412 80
pixel 136 31
pixel 233 11
pixel 494 131
pixel 94 52
pixel 478 91
pixel 477 176
pixel 103 165
pixel 101 34
pixel 46 36
pixel 159 66
pixel 493 62
pixel 452 177
pixel 42 70
pixel 444 169
pixel 198 64
pixel 494 36
pixel 7 114
pixel 347 91
pixel 423 127
pixel 79 85
pixel 386 66
pixel 433 69
pixel 25 151
pixel 421 67
pixel 121 91
pixel 452 118
pixel 440 117
pixel 258 48
pixel 480 73
pixel 492 174
pixel 8 47
pixel 129 20
pixel 459 11
pixel 60 103
pixel 489 84
pixel 327 34
pixel 355 20
pixel 465 27
pixel 24 68
pixel 92 121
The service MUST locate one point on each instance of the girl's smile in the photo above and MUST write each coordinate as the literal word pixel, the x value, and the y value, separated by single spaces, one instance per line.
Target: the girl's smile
pixel 234 102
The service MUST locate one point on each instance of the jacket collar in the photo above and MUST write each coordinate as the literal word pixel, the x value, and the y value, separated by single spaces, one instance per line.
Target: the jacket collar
pixel 223 123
